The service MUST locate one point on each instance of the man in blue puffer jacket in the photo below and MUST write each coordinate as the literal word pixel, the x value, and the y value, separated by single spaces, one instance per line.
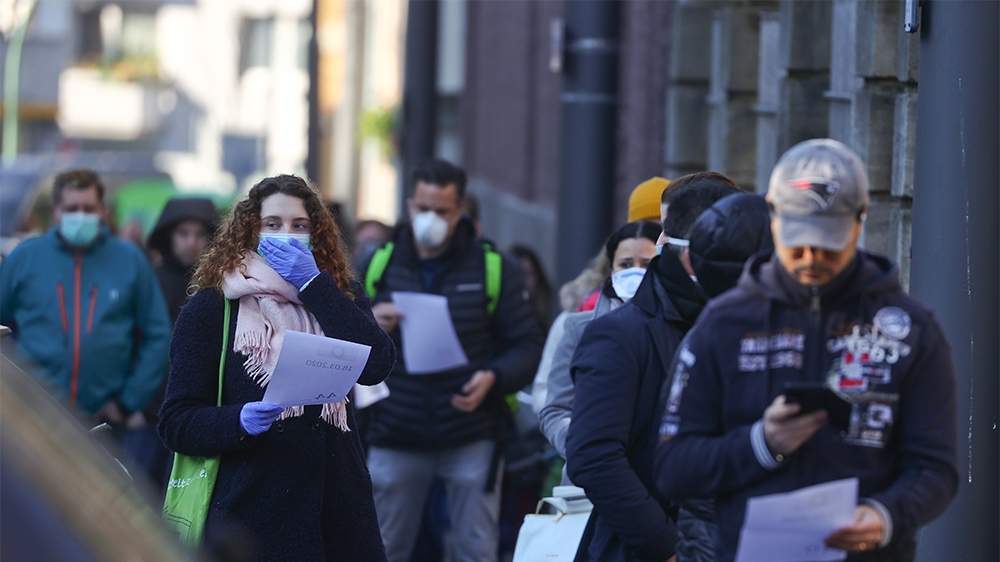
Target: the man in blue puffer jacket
pixel 86 307
pixel 817 310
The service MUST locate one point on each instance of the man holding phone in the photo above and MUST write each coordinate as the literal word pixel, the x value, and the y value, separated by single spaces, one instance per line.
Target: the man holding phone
pixel 817 323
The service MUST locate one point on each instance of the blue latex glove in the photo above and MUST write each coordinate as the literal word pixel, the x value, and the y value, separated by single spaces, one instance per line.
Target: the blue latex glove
pixel 257 417
pixel 293 261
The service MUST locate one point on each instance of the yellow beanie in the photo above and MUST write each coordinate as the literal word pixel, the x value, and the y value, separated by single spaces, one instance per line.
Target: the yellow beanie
pixel 644 203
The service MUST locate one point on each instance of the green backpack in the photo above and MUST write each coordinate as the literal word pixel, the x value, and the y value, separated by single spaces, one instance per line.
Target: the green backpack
pixel 494 264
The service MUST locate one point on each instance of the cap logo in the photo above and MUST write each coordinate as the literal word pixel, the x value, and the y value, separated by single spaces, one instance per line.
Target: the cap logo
pixel 821 190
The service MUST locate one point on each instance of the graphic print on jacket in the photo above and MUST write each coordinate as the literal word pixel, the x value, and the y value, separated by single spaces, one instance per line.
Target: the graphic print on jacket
pixel 860 372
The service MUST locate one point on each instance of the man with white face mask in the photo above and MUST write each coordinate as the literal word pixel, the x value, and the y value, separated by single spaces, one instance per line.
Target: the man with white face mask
pixel 446 425
pixel 87 308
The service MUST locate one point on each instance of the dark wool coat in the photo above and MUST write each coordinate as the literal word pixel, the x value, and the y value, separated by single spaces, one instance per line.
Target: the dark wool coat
pixel 619 366
pixel 301 490
pixel 418 413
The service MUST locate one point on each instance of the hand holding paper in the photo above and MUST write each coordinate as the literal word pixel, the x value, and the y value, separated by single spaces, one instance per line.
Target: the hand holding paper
pixel 864 534
pixel 793 526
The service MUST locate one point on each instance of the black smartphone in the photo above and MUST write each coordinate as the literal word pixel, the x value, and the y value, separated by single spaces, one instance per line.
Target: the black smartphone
pixel 812 396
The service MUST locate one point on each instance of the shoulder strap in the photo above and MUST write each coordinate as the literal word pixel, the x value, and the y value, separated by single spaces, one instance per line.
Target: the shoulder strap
pixel 225 347
pixel 494 272
pixel 376 267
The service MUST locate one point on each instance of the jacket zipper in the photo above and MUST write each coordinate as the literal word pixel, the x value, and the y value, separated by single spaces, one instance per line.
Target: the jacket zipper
pixel 93 302
pixel 815 331
pixel 75 382
pixel 62 307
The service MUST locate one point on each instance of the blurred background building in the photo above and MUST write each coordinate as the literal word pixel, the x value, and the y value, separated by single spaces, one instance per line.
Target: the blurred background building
pixel 214 94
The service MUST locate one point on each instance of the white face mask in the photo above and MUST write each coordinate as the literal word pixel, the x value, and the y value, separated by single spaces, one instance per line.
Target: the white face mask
pixel 286 238
pixel 626 282
pixel 429 229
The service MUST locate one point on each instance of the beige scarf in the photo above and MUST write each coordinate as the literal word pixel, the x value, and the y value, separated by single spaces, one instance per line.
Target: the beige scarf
pixel 269 305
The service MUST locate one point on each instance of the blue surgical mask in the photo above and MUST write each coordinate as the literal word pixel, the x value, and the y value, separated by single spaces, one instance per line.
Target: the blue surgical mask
pixel 286 238
pixel 79 229
pixel 659 249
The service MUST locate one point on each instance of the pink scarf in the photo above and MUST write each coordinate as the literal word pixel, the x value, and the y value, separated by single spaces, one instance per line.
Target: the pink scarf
pixel 269 305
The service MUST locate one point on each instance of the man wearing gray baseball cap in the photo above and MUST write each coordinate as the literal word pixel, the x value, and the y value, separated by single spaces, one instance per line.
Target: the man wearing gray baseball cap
pixel 816 367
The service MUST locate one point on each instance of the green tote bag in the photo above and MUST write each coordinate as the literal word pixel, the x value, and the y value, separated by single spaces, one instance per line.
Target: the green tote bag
pixel 192 479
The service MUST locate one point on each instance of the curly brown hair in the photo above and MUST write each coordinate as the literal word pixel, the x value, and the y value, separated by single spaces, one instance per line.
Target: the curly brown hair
pixel 240 230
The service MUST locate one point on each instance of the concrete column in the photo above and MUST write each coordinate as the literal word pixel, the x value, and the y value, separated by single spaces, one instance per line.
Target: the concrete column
pixel 733 92
pixel 687 90
pixel 805 51
pixel 770 76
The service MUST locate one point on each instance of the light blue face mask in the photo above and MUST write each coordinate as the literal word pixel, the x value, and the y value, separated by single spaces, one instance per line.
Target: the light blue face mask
pixel 659 249
pixel 286 238
pixel 79 229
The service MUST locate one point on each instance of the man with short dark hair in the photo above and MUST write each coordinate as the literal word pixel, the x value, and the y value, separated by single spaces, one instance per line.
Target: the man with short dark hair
pixel 817 311
pixel 618 368
pixel 86 307
pixel 689 196
pixel 447 424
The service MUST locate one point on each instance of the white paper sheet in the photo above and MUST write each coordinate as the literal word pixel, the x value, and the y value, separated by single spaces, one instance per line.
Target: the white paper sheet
pixel 790 527
pixel 430 344
pixel 365 396
pixel 315 370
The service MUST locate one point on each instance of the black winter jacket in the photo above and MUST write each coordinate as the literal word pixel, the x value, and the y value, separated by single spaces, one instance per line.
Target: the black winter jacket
pixel 301 490
pixel 619 366
pixel 418 413
pixel 866 339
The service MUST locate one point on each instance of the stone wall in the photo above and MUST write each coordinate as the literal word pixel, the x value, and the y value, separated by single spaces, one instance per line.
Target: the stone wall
pixel 750 79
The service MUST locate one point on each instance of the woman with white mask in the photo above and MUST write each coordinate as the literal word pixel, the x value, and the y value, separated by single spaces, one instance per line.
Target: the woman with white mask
pixel 630 249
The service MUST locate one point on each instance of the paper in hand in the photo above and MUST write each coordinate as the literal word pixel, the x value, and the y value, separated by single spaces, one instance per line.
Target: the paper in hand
pixel 790 527
pixel 315 370
pixel 430 344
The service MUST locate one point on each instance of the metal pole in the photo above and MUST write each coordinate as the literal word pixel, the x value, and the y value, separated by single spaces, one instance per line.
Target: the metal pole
pixel 12 86
pixel 587 136
pixel 956 251
pixel 419 87
pixel 312 154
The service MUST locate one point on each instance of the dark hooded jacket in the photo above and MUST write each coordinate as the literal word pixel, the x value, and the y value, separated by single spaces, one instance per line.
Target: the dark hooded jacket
pixel 418 413
pixel 617 370
pixel 174 276
pixel 722 239
pixel 869 342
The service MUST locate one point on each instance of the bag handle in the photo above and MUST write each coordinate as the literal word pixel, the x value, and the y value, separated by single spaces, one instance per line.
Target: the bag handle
pixel 225 346
pixel 564 507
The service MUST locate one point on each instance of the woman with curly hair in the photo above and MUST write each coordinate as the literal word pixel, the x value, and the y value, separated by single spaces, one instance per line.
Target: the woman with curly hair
pixel 293 481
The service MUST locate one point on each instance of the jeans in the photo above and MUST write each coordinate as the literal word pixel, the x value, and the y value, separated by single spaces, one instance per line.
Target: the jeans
pixel 402 480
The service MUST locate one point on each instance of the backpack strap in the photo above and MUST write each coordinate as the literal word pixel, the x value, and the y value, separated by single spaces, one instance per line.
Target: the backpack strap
pixel 376 267
pixel 494 272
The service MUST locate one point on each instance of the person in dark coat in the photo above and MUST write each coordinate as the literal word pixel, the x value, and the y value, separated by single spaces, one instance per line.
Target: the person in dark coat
pixel 293 480
pixel 180 236
pixel 820 311
pixel 447 424
pixel 722 239
pixel 618 368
